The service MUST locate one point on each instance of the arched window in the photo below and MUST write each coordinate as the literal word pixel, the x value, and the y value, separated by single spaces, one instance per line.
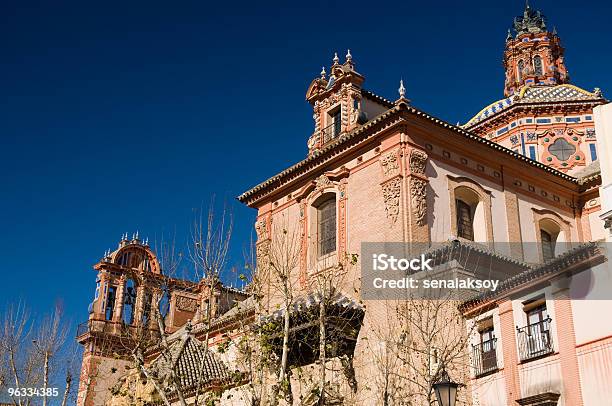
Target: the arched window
pixel 146 308
pixel 521 66
pixel 465 220
pixel 326 225
pixel 537 65
pixel 129 301
pixel 549 236
pixel 548 245
pixel 110 303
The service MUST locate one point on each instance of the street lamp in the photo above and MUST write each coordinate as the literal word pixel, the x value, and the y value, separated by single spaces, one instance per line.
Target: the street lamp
pixel 446 390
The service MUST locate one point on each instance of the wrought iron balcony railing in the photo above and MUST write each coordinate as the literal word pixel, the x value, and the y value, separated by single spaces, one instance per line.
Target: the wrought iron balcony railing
pixel 485 357
pixel 535 340
pixel 331 131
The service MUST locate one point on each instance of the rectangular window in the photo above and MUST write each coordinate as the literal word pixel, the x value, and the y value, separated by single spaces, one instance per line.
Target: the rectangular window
pixel 543 120
pixel 502 131
pixel 532 152
pixel 529 120
pixel 572 119
pixel 488 356
pixel 465 220
pixel 327 227
pixel 588 118
pixel 593 148
pixel 534 339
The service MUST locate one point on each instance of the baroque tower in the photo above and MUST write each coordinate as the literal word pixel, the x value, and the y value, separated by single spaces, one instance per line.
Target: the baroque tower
pixel 534 56
pixel 542 116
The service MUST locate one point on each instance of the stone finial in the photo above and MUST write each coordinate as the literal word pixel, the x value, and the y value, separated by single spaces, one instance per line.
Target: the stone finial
pixel 323 73
pixel 597 91
pixel 402 89
pixel 509 36
pixel 336 59
pixel 349 57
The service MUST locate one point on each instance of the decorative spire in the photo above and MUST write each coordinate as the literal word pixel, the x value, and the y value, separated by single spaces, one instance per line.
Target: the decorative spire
pixel 554 31
pixel 531 21
pixel 323 72
pixel 349 57
pixel 336 59
pixel 402 89
pixel 509 36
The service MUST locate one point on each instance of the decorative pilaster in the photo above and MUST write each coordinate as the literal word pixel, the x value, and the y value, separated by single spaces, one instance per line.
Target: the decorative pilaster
pixel 510 356
pixel 392 184
pixel 418 228
pixel 303 244
pixel 342 246
pixel 567 341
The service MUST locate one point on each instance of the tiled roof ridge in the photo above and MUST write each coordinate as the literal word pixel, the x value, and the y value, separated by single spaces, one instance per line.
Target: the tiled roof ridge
pixel 563 261
pixel 518 99
pixel 373 96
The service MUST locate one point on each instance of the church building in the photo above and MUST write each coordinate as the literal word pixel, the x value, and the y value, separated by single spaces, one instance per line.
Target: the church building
pixel 513 191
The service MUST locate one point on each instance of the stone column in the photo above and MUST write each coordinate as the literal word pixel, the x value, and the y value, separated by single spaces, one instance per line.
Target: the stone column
pixel 566 341
pixel 118 309
pixel 510 356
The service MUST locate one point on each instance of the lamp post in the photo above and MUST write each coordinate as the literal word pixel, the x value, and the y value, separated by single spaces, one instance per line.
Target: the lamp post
pixel 446 389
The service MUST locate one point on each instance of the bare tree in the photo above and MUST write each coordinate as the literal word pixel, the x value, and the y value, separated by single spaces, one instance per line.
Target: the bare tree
pixel 34 354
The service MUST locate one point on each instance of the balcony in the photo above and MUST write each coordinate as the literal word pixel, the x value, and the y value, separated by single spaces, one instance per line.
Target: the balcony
pixel 331 131
pixel 484 357
pixel 535 340
pixel 114 328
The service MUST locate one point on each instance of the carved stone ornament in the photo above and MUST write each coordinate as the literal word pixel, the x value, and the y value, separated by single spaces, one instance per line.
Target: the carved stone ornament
pixel 322 182
pixel 262 254
pixel 261 229
pixel 186 304
pixel 418 198
pixel 391 195
pixel 390 164
pixel 418 159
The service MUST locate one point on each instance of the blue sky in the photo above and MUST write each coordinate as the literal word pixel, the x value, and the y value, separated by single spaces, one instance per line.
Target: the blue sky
pixel 125 116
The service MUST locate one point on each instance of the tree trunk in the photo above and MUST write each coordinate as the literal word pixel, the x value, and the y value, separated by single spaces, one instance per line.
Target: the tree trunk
pixel 322 354
pixel 45 378
pixel 67 390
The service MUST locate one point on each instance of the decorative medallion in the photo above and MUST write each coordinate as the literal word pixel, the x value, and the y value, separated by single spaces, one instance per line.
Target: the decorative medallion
pixel 390 164
pixel 322 182
pixel 418 160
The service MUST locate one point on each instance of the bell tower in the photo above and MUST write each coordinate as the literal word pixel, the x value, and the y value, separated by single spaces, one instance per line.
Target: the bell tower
pixel 128 286
pixel 533 56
